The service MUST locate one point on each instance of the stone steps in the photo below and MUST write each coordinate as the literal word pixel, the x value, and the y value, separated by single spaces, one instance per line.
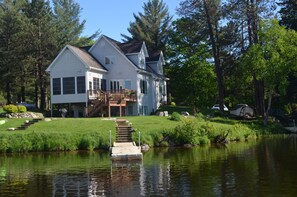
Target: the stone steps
pixel 28 124
pixel 123 132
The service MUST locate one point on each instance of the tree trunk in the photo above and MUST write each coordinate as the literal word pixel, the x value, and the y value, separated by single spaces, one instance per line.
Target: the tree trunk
pixel 216 55
pixel 8 94
pixel 41 87
pixel 259 96
pixel 268 108
pixel 36 88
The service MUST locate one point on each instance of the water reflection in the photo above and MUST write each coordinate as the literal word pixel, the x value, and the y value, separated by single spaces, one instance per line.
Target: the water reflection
pixel 256 168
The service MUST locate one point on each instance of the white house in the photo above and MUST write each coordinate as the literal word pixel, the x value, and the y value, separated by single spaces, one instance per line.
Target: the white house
pixel 109 78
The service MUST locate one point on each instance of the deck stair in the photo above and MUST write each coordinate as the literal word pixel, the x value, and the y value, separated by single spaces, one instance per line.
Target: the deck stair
pixel 28 123
pixel 124 134
pixel 123 131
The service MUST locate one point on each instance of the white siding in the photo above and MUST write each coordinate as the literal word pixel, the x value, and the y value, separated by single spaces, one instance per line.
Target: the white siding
pixel 122 69
pixel 67 65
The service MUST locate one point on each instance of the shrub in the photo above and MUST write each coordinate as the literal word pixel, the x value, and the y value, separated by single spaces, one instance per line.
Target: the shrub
pixel 10 108
pixel 21 108
pixel 200 116
pixel 172 104
pixel 175 116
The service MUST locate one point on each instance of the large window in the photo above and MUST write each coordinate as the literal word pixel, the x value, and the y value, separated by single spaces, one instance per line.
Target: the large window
pixel 81 85
pixel 68 85
pixel 96 83
pixel 143 86
pixel 56 86
pixel 115 86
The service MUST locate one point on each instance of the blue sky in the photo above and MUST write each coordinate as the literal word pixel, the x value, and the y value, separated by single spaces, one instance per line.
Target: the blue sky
pixel 112 17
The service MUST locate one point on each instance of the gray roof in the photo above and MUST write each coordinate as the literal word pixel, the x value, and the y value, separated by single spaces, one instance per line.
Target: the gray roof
pixel 126 47
pixel 87 58
pixel 153 57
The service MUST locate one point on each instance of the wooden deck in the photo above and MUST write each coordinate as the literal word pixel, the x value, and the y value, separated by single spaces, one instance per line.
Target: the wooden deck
pixel 125 151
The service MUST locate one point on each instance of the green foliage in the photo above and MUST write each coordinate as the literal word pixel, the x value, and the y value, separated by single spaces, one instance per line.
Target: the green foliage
pixel 68 23
pixel 290 108
pixel 189 132
pixel 193 79
pixel 172 104
pixel 151 26
pixel 288 13
pixel 178 109
pixel 175 116
pixel 21 109
pixel 200 116
pixel 10 108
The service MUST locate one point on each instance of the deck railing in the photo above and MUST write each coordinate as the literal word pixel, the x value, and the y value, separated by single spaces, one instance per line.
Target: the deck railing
pixel 105 96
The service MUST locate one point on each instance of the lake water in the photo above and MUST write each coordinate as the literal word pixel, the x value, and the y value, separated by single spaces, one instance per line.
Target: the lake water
pixel 266 167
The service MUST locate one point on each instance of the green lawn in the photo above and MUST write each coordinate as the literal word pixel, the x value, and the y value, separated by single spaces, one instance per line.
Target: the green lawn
pixel 64 134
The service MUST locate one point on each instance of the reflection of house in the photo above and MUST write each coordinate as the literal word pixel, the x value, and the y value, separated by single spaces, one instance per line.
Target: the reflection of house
pixel 108 78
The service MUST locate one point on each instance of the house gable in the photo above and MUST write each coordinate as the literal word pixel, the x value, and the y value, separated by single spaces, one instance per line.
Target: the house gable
pixel 107 48
pixel 156 62
pixel 66 64
pixel 72 56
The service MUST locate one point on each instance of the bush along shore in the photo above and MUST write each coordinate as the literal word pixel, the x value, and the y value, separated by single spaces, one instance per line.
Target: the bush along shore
pixel 201 130
pixel 68 134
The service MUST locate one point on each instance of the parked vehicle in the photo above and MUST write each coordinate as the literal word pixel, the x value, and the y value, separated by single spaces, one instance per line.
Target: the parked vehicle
pixel 217 107
pixel 242 110
pixel 29 106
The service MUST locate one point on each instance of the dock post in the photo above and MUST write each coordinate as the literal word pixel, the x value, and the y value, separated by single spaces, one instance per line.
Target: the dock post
pixel 109 138
pixel 138 139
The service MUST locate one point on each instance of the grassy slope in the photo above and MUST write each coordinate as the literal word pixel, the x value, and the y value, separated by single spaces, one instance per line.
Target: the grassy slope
pixel 93 133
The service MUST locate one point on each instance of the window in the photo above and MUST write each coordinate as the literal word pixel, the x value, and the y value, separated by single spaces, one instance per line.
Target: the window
pixel 115 86
pixel 143 86
pixel 91 88
pixel 103 84
pixel 143 110
pixel 141 61
pixel 56 86
pixel 68 85
pixel 96 83
pixel 81 85
pixel 109 60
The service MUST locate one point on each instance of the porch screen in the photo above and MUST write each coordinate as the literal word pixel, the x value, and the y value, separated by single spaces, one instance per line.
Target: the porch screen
pixel 81 85
pixel 68 85
pixel 56 86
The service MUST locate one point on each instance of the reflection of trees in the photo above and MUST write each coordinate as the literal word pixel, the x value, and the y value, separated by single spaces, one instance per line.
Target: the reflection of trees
pixel 257 168
pixel 207 170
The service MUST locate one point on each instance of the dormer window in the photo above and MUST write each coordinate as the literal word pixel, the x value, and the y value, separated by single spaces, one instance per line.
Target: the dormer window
pixel 141 61
pixel 109 60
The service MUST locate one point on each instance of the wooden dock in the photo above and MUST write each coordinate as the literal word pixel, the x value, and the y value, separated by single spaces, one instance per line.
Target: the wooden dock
pixel 125 151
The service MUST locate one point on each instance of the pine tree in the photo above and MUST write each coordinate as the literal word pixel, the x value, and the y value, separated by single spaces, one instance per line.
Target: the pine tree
pixel 288 13
pixel 43 46
pixel 69 27
pixel 10 30
pixel 151 26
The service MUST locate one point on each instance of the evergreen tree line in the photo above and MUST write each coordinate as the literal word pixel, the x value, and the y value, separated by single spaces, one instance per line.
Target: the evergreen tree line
pixel 226 52
pixel 31 34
